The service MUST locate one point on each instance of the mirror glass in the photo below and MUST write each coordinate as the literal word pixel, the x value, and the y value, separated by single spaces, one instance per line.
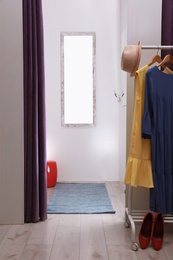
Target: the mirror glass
pixel 78 97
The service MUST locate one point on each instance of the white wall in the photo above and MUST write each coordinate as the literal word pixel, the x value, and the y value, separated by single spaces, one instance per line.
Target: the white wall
pixel 144 23
pixel 145 26
pixel 86 153
pixel 11 113
pixel 123 82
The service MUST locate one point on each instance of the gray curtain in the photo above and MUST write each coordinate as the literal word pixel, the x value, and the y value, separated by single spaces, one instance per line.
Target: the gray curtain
pixel 34 113
pixel 167 27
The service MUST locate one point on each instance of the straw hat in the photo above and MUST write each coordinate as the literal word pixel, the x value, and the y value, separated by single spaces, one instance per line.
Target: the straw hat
pixel 131 58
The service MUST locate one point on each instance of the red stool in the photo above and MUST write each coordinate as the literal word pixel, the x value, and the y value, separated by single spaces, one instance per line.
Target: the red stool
pixel 52 174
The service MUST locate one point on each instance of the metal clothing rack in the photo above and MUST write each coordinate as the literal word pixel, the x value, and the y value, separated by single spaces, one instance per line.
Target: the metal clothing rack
pixel 136 216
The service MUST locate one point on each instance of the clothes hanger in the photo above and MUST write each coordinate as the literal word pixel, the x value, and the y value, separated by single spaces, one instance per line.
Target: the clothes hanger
pixel 167 58
pixel 156 58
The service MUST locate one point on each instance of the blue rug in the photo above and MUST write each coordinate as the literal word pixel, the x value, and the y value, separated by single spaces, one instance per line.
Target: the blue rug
pixel 80 198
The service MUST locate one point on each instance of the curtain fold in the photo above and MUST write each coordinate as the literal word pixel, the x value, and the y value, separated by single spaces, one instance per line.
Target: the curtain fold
pixel 35 184
pixel 167 28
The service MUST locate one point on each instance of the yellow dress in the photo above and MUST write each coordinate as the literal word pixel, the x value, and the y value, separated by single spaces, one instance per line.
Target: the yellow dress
pixel 139 168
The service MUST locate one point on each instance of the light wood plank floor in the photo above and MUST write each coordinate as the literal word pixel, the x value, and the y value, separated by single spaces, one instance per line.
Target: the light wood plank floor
pixel 80 237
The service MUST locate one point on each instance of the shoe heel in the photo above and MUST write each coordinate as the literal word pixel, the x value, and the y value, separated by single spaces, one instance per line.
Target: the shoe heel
pixel 158 232
pixel 146 230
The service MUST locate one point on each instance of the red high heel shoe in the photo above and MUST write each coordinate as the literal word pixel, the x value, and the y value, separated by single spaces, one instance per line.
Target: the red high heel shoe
pixel 146 230
pixel 158 231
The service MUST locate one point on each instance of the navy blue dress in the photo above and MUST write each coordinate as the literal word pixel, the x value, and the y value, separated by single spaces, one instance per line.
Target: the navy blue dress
pixel 157 124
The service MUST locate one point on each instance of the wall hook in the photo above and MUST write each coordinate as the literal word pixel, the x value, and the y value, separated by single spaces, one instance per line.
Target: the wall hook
pixel 119 96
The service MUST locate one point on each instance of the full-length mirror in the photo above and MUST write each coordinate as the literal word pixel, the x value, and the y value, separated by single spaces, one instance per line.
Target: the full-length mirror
pixel 78 97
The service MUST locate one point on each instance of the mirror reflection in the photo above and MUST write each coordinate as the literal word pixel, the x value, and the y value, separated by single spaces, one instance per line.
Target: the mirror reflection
pixel 78 98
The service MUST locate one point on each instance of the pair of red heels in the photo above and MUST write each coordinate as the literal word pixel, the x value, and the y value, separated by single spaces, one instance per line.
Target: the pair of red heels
pixel 152 229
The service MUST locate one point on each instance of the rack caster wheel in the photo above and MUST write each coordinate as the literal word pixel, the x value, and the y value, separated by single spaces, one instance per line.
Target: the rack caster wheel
pixel 127 225
pixel 134 247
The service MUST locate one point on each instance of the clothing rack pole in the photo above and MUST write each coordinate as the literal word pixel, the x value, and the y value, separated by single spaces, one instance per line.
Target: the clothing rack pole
pixel 157 47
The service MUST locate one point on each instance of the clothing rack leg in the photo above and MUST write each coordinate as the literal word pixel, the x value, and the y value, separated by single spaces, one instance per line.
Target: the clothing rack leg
pixel 129 222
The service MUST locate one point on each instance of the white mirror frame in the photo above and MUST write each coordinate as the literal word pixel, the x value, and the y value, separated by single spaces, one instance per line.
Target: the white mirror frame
pixel 78 87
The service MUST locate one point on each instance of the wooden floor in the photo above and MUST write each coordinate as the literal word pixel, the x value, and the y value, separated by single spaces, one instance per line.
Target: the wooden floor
pixel 80 237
